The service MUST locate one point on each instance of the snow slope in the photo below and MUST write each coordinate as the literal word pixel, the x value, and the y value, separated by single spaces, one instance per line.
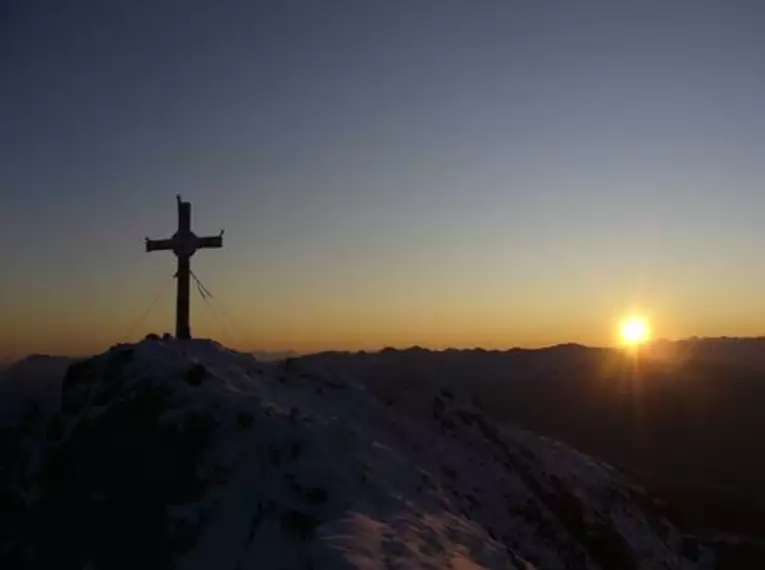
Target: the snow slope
pixel 185 454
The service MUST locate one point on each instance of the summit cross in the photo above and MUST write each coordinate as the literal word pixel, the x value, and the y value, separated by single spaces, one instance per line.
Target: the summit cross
pixel 183 244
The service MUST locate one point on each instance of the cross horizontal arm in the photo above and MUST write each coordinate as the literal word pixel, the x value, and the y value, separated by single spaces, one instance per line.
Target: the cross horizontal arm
pixel 159 244
pixel 210 242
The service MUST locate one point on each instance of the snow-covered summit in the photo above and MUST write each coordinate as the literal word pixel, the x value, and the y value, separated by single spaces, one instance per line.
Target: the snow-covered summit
pixel 185 454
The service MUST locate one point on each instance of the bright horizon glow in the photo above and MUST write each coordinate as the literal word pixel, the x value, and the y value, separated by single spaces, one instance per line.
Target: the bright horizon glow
pixel 634 331
pixel 437 173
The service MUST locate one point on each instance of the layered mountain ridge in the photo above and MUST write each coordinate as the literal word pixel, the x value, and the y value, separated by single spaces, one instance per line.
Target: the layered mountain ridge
pixel 185 454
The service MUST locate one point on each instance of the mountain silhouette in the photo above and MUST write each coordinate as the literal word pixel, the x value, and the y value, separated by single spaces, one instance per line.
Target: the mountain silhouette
pixel 185 454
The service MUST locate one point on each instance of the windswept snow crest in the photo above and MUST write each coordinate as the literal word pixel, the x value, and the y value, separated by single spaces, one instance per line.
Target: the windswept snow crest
pixel 185 454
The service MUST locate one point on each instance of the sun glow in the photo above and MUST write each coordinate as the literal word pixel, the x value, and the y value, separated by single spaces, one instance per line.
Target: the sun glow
pixel 634 331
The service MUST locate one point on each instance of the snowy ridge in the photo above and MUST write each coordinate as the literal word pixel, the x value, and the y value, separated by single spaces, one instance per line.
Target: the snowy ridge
pixel 190 455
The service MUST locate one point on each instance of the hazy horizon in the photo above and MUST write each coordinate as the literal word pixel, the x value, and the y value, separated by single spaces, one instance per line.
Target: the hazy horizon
pixel 434 173
pixel 373 349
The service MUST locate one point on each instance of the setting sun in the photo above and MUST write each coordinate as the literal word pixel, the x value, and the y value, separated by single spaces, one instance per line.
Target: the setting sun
pixel 634 331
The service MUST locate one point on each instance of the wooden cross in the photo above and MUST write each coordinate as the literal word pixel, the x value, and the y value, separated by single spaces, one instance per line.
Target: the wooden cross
pixel 183 244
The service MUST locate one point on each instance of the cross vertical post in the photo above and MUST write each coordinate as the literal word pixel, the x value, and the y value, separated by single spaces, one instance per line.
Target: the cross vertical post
pixel 182 308
pixel 184 244
pixel 183 275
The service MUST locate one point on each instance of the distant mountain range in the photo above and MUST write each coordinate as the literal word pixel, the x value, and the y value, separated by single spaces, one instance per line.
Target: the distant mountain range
pixel 274 355
pixel 685 416
pixel 34 380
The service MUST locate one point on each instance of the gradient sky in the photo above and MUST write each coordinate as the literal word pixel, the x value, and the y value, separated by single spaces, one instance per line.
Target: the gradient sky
pixel 441 173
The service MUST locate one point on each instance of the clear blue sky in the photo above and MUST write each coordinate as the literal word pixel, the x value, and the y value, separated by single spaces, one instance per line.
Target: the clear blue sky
pixel 446 172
